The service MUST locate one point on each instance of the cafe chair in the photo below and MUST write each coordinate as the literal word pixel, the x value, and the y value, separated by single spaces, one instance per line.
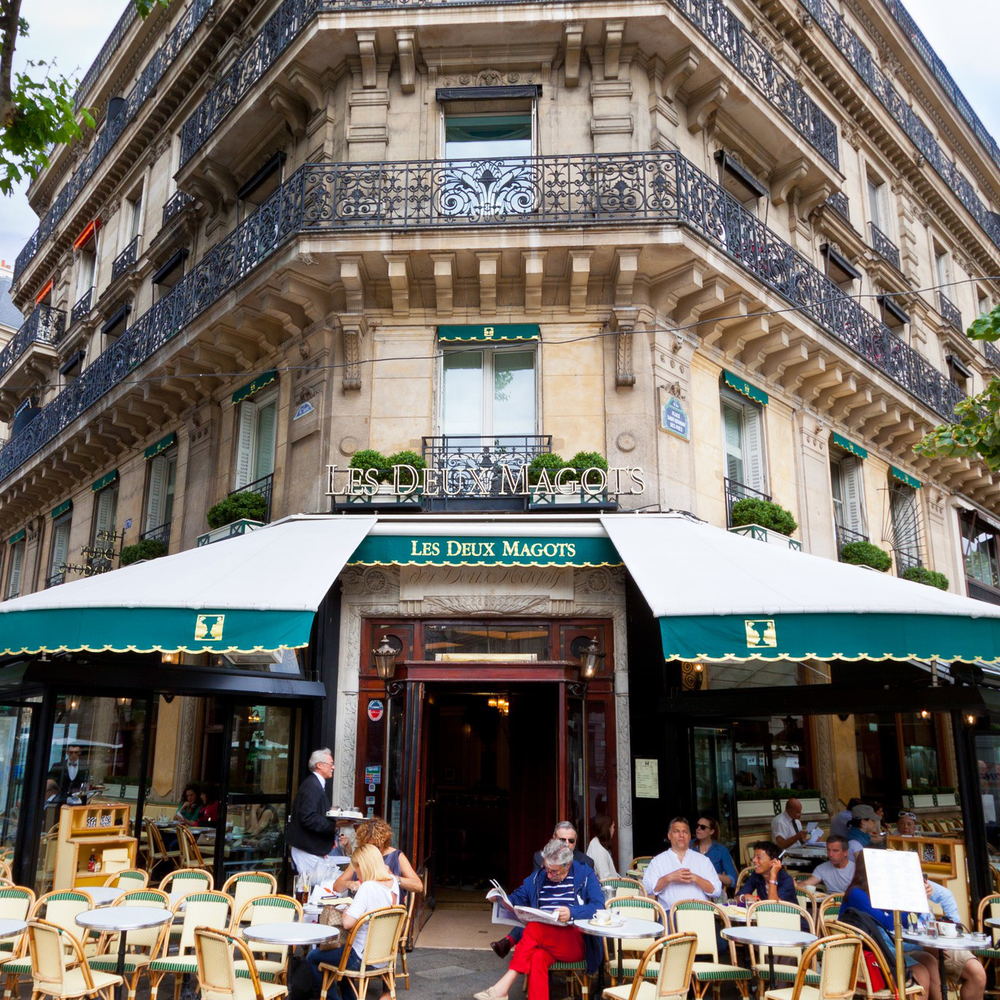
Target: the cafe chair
pixel 156 849
pixel 378 959
pixel 187 880
pixel 702 919
pixel 637 867
pixel 672 958
pixel 128 878
pixel 828 911
pixel 989 909
pixel 631 950
pixel 404 941
pixel 201 909
pixel 838 971
pixel 244 886
pixel 59 967
pixel 788 916
pixel 141 945
pixel 271 959
pixel 864 989
pixel 16 903
pixel 623 887
pixel 191 856
pixel 741 878
pixel 219 977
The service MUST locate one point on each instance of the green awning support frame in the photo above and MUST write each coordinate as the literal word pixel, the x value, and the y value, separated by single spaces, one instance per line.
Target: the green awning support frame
pixel 255 386
pixel 104 481
pixel 17 537
pixel 849 446
pixel 489 334
pixel 64 508
pixel 162 445
pixel 744 388
pixel 904 477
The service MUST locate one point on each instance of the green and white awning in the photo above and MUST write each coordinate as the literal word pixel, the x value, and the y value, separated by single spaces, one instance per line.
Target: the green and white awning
pixel 744 388
pixel 246 391
pixel 162 445
pixel 848 446
pixel 64 508
pixel 258 591
pixel 904 477
pixel 720 596
pixel 490 333
pixel 105 481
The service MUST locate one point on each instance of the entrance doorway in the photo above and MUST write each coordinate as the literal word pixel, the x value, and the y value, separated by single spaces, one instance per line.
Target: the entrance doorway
pixel 491 771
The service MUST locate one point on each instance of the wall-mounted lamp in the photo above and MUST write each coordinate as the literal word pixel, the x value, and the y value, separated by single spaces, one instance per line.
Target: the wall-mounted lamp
pixel 253 717
pixel 590 660
pixel 384 659
pixel 970 720
pixel 73 704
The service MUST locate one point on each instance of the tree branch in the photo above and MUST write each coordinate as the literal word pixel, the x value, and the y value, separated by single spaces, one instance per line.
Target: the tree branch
pixel 10 12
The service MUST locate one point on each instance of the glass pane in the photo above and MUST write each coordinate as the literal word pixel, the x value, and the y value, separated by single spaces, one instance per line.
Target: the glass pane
pixel 869 747
pixel 576 767
pixel 258 762
pixel 779 673
pixel 598 763
pixel 255 837
pixel 394 779
pixel 732 420
pixel 772 754
pixel 15 727
pixel 988 762
pixel 920 752
pixel 481 639
pixel 514 392
pixel 487 136
pixel 714 780
pixel 462 412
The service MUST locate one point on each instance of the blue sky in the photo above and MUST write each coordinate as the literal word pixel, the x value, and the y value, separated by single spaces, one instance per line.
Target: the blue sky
pixel 73 33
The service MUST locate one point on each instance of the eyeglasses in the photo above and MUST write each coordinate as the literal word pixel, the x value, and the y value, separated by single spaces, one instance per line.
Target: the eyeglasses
pixel 907 815
pixel 703 826
pixel 567 840
pixel 557 870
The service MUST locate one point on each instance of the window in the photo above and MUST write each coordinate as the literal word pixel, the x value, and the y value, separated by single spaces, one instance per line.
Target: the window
pixel 135 216
pixel 743 434
pixel 15 566
pixel 894 317
pixel 979 547
pixel 160 495
pixel 257 423
pixel 905 518
pixel 942 269
pixel 105 512
pixel 982 303
pixel 261 186
pixel 488 393
pixel 60 550
pixel 848 498
pixel 85 272
pixel 738 181
pixel 878 208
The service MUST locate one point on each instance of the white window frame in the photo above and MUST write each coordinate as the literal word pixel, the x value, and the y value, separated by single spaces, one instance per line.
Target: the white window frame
pixel 15 568
pixel 849 510
pixel 876 194
pixel 753 451
pixel 247 430
pixel 59 549
pixel 159 489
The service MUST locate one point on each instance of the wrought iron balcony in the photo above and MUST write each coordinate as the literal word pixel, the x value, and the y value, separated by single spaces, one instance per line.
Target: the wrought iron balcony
pixel 736 491
pixel 81 310
pixel 55 580
pixel 855 52
pixel 129 16
pixel 980 591
pixel 841 204
pixel 44 326
pixel 125 261
pixel 845 535
pixel 616 189
pixel 161 533
pixel 263 487
pixel 950 312
pixel 711 17
pixel 883 246
pixel 175 204
pixel 111 131
pixel 485 454
pixel 992 354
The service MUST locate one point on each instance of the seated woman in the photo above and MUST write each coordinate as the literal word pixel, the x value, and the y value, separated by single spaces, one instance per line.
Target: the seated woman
pixel 377 889
pixel 599 847
pixel 706 839
pixel 209 813
pixel 573 892
pixel 376 831
pixel 190 807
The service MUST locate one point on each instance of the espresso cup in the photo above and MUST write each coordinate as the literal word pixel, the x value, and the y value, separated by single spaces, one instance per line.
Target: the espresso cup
pixel 602 917
pixel 947 930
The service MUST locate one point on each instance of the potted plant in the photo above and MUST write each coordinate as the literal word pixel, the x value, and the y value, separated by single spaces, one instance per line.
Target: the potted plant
pixel 147 548
pixel 237 507
pixel 548 462
pixel 928 577
pixel 866 554
pixel 765 513
pixel 371 460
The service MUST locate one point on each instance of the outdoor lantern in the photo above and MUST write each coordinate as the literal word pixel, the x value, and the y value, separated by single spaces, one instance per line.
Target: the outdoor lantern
pixel 384 659
pixel 590 660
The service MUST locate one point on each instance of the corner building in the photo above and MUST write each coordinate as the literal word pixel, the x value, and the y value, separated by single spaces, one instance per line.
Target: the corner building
pixel 733 246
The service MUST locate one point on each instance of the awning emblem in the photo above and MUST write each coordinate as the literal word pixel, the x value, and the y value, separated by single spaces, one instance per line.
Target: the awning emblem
pixel 760 632
pixel 210 627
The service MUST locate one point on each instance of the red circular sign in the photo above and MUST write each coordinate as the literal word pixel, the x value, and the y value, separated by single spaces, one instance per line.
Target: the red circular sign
pixel 375 710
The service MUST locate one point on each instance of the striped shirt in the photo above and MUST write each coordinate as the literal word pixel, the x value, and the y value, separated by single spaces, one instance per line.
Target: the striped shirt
pixel 552 894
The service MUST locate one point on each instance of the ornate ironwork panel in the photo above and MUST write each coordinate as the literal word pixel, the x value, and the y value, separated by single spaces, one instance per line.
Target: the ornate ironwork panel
pixel 841 204
pixel 845 535
pixel 992 354
pixel 736 491
pixel 711 17
pixel 44 326
pixel 950 312
pixel 175 204
pixel 161 533
pixel 883 246
pixel 262 486
pixel 465 456
pixel 112 130
pixel 125 261
pixel 83 306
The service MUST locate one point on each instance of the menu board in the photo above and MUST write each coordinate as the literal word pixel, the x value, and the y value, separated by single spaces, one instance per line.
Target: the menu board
pixel 896 881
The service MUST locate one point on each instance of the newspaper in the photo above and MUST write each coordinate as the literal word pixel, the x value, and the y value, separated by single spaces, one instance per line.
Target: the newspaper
pixel 505 912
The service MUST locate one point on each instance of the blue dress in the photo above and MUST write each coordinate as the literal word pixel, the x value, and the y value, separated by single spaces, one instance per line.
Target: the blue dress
pixel 723 861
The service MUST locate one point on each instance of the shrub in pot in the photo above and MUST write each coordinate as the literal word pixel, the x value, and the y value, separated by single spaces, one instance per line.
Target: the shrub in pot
pixel 237 507
pixel 866 554
pixel 369 458
pixel 551 464
pixel 410 458
pixel 928 577
pixel 584 460
pixel 766 513
pixel 148 548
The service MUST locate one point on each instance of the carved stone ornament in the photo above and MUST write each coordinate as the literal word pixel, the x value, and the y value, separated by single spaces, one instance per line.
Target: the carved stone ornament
pixel 851 133
pixel 491 78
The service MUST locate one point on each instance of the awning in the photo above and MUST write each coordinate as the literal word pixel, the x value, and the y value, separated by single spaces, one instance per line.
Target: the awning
pixel 253 592
pixel 490 334
pixel 18 536
pixel 255 386
pixel 745 388
pixel 904 477
pixel 720 596
pixel 162 445
pixel 64 508
pixel 850 446
pixel 105 480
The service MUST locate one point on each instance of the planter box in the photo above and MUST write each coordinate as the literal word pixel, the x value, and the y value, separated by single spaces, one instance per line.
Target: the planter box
pixel 240 527
pixel 947 799
pixel 810 807
pixel 921 801
pixel 762 534
pixel 756 809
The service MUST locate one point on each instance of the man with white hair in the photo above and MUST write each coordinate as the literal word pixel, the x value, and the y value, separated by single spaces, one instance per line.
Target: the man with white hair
pixel 311 833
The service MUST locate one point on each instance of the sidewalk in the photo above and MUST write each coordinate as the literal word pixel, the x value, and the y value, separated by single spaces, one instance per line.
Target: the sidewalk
pixel 450 974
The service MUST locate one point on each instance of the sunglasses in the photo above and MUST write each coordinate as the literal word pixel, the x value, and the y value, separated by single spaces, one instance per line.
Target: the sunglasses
pixel 908 815
pixel 567 840
pixel 703 826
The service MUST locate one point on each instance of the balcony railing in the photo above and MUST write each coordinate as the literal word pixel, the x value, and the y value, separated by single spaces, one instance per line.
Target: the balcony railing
pixel 175 204
pixel 711 17
pixel 125 261
pixel 883 246
pixel 616 189
pixel 841 204
pixel 55 580
pixel 845 535
pixel 83 306
pixel 982 591
pixel 161 533
pixel 43 326
pixel 855 52
pixel 992 354
pixel 263 487
pixel 950 312
pixel 486 455
pixel 736 491
pixel 108 49
pixel 112 130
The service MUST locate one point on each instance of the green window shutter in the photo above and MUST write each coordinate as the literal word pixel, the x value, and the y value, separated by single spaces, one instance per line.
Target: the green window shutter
pixel 247 424
pixel 267 420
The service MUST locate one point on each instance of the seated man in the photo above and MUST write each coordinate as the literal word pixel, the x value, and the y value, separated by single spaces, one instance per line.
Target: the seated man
pixel 786 827
pixel 680 873
pixel 962 965
pixel 769 880
pixel 835 873
pixel 573 892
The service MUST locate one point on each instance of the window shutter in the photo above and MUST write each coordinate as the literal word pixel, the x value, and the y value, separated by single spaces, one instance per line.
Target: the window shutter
pixel 753 450
pixel 16 562
pixel 854 515
pixel 60 547
pixel 267 418
pixel 245 444
pixel 104 514
pixel 733 427
pixel 157 491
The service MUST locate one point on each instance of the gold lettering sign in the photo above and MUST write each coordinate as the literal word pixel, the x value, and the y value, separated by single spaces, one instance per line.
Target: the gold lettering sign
pixel 209 627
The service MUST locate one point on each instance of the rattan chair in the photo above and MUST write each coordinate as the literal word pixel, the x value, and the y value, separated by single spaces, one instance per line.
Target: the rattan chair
pixel 141 945
pixel 156 849
pixel 827 911
pixel 191 856
pixel 741 878
pixel 702 918
pixel 630 951
pixel 16 903
pixel 244 886
pixel 188 880
pixel 788 916
pixel 864 988
pixel 673 958
pixel 219 975
pixel 59 967
pixel 623 886
pixel 128 878
pixel 989 908
pixel 271 959
pixel 378 958
pixel 637 867
pixel 404 941
pixel 838 971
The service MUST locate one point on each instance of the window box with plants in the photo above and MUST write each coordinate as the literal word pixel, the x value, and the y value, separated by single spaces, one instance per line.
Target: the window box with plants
pixel 384 494
pixel 579 488
pixel 234 515
pixel 865 554
pixel 764 521
pixel 929 798
pixel 148 548
pixel 767 803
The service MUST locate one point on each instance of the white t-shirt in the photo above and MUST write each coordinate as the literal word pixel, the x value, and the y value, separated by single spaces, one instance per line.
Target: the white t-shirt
pixel 835 879
pixel 784 826
pixel 674 892
pixel 371 896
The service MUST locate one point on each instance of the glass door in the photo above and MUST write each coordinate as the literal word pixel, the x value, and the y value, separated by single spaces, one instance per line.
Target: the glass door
pixel 715 780
pixel 15 728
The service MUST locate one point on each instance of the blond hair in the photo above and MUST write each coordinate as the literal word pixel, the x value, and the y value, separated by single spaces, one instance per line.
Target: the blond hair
pixel 368 864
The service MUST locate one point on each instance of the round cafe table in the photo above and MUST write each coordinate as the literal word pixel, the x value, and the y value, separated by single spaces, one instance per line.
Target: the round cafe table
pixel 770 938
pixel 992 921
pixel 292 933
pixel 103 895
pixel 962 942
pixel 11 928
pixel 626 927
pixel 123 919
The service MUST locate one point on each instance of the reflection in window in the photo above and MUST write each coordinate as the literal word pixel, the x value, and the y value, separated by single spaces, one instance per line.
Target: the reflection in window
pixel 772 753
pixel 488 393
pixel 485 640
pixel 979 546
pixel 920 756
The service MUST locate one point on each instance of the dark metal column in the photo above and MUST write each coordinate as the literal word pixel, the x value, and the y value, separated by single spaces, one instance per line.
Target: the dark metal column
pixel 973 818
pixel 33 797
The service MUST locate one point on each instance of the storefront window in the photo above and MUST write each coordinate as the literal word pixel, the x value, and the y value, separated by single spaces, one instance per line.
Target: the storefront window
pixel 772 754
pixel 755 674
pixel 484 640
pixel 714 781
pixel 15 727
pixel 979 546
pixel 988 763
pixel 920 756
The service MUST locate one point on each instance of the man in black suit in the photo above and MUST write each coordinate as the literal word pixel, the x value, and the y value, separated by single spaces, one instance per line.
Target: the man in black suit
pixel 71 776
pixel 311 833
pixel 566 832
